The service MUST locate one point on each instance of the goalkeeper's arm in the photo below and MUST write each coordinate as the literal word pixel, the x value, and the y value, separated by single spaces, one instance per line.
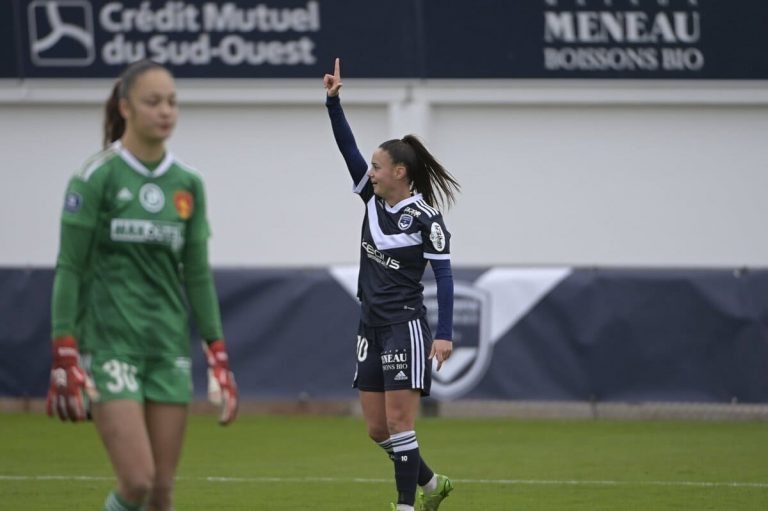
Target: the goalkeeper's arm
pixel 70 387
pixel 201 292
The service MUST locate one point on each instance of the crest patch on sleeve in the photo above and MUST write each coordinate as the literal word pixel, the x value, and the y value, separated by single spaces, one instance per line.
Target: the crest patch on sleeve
pixel 73 201
pixel 437 237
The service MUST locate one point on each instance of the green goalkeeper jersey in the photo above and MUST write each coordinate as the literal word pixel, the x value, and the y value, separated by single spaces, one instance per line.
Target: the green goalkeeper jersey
pixel 146 235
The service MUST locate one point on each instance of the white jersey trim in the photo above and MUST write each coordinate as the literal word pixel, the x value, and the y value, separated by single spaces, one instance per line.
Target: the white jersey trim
pixel 405 202
pixel 139 167
pixel 189 168
pixel 97 162
pixel 436 256
pixel 426 208
pixel 357 188
pixel 388 241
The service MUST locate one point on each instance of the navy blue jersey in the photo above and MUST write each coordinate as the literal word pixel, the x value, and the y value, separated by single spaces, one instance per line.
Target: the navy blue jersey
pixel 396 243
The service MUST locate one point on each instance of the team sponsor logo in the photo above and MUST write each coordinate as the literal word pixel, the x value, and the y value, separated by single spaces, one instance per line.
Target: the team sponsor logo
pixel 413 212
pixel 151 197
pixel 73 201
pixel 437 237
pixel 380 257
pixel 61 33
pixel 147 231
pixel 405 222
pixel 184 204
pixel 472 346
pixel 394 361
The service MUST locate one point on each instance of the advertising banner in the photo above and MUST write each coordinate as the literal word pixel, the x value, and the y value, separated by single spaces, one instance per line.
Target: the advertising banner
pixel 241 38
pixel 422 39
pixel 676 39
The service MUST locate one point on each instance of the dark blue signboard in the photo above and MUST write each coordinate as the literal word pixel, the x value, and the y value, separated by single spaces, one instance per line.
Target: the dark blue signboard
pixel 688 39
pixel 244 38
pixel 596 39
pixel 9 64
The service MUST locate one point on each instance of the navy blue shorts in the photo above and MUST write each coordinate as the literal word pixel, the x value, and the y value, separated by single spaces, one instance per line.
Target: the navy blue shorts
pixel 394 357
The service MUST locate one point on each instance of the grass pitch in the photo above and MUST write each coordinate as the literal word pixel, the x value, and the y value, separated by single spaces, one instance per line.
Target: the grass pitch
pixel 322 463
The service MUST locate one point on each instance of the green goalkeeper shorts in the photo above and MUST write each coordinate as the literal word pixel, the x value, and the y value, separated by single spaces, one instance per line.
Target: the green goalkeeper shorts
pixel 138 377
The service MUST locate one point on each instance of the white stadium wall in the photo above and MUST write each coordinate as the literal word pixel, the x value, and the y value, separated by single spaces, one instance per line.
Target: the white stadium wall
pixel 609 173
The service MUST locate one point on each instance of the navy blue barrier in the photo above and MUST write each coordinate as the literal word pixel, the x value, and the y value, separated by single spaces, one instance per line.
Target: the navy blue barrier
pixel 520 333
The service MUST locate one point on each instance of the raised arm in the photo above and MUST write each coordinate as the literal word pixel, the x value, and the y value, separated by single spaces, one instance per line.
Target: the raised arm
pixel 345 140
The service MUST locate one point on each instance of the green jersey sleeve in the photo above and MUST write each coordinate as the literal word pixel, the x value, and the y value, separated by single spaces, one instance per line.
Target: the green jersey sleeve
pixel 81 203
pixel 201 291
pixel 198 229
pixel 74 247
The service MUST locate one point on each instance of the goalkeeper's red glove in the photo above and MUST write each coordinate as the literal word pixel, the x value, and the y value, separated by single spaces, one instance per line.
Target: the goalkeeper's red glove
pixel 222 390
pixel 70 386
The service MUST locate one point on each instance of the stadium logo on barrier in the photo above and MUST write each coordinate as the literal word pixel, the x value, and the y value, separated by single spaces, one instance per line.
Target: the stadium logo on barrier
pixel 61 33
pixel 484 313
pixel 471 340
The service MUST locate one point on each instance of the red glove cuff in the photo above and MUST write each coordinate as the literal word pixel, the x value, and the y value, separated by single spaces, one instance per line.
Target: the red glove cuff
pixel 216 354
pixel 64 351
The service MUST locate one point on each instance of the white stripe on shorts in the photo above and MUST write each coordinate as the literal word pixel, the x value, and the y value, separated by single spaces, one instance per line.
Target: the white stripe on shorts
pixel 417 354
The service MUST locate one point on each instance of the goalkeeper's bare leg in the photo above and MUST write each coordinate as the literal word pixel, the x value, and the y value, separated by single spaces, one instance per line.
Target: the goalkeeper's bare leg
pixel 120 424
pixel 144 444
pixel 166 424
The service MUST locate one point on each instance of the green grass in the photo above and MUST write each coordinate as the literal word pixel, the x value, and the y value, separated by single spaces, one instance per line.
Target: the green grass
pixel 321 463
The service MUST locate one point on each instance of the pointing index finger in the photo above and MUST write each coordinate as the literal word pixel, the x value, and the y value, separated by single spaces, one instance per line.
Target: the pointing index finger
pixel 337 68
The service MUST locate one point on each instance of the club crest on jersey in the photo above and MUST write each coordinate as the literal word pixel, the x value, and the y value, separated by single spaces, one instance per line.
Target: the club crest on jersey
pixel 184 204
pixel 73 201
pixel 151 197
pixel 405 222
pixel 437 237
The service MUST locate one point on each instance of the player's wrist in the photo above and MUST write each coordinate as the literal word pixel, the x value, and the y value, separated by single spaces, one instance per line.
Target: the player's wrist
pixel 216 354
pixel 64 350
pixel 64 340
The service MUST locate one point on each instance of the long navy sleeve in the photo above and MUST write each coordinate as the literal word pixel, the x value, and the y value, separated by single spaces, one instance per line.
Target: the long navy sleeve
pixel 444 281
pixel 356 164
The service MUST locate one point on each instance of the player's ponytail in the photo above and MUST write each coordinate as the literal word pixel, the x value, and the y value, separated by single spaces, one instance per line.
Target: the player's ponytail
pixel 428 177
pixel 114 124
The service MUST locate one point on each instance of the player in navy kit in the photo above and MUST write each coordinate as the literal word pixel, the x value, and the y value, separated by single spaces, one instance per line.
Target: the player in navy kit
pixel 402 230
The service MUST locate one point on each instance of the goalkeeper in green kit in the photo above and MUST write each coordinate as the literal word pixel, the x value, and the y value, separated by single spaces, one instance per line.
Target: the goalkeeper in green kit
pixel 133 253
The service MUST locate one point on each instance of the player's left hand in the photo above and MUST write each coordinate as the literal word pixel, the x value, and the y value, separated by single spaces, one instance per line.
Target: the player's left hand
pixel 222 390
pixel 441 350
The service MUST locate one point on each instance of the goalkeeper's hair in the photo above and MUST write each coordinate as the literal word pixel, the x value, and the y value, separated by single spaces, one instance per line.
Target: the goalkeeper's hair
pixel 114 124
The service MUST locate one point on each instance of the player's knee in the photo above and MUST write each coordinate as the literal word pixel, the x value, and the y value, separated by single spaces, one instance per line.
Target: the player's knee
pixel 378 433
pixel 136 488
pixel 397 423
